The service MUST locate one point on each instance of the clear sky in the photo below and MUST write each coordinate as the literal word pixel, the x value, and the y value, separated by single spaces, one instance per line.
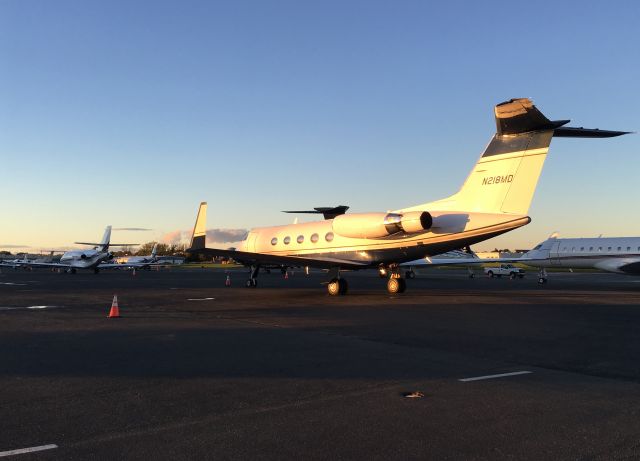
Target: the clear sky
pixel 131 113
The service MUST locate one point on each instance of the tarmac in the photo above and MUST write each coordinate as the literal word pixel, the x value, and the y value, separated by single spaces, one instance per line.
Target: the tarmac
pixel 196 370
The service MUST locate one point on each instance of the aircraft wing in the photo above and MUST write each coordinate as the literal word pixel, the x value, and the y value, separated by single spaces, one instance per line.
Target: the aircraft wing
pixel 249 258
pixel 126 265
pixel 626 265
pixel 463 261
pixel 37 264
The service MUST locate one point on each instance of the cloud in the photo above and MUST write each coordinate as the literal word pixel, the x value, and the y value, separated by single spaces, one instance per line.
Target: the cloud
pixel 174 237
pixel 213 236
pixel 132 229
pixel 226 235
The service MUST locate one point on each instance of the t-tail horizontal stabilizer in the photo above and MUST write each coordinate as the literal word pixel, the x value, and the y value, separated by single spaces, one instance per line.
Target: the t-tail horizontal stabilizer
pixel 327 212
pixel 518 116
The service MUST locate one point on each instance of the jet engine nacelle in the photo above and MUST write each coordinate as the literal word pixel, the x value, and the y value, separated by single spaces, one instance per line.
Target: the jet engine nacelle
pixel 83 256
pixel 377 225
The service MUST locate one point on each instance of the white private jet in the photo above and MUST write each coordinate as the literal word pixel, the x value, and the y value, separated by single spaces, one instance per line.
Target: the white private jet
pixel 493 200
pixel 620 255
pixel 85 259
pixel 143 262
pixel 17 262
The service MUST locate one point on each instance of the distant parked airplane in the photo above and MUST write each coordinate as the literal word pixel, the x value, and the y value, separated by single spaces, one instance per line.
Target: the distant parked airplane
pixel 620 255
pixel 85 259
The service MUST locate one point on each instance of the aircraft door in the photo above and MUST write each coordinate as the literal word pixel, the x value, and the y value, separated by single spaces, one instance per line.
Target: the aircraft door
pixel 251 242
pixel 554 254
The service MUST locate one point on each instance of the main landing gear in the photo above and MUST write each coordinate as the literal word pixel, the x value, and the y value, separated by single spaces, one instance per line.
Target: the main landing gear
pixel 396 284
pixel 337 286
pixel 542 276
pixel 253 277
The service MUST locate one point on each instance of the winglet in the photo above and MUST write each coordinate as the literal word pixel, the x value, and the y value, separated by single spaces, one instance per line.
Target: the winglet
pixel 198 239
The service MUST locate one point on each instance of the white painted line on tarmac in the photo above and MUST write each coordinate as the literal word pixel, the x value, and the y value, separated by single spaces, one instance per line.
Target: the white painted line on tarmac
pixel 14 308
pixel 22 451
pixel 501 375
pixel 200 299
pixel 11 283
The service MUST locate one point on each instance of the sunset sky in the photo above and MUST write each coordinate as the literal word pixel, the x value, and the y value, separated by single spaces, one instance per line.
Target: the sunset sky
pixel 131 113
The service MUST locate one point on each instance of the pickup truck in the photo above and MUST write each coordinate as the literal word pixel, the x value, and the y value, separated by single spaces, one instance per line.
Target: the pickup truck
pixel 504 269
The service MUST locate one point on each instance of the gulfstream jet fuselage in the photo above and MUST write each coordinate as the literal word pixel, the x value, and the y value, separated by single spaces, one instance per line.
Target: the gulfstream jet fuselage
pixel 493 200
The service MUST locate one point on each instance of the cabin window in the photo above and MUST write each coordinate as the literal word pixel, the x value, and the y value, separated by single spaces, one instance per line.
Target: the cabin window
pixel 314 238
pixel 300 238
pixel 581 248
pixel 274 241
pixel 287 240
pixel 608 248
pixel 619 248
pixel 329 237
pixel 590 248
pixel 628 248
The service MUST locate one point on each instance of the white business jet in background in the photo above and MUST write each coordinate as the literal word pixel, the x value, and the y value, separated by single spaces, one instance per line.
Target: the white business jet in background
pixel 620 255
pixel 493 200
pixel 88 259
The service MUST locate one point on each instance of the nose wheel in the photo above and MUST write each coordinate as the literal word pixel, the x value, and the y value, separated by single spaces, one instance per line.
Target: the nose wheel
pixel 251 283
pixel 253 277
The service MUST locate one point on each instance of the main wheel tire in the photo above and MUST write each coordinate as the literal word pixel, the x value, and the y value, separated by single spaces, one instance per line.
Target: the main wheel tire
pixel 248 283
pixel 490 274
pixel 512 275
pixel 394 285
pixel 403 285
pixel 344 286
pixel 333 287
pixel 542 280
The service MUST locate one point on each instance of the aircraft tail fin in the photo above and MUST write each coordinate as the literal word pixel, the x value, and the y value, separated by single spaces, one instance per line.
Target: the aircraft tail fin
pixel 198 239
pixel 104 243
pixel 154 252
pixel 505 177
pixel 106 238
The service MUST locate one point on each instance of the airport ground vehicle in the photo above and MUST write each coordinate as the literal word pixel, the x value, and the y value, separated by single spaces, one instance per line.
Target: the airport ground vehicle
pixel 505 269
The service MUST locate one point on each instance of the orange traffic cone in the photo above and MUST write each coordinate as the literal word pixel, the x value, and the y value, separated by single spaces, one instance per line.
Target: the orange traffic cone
pixel 133 273
pixel 115 310
pixel 227 283
pixel 286 275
